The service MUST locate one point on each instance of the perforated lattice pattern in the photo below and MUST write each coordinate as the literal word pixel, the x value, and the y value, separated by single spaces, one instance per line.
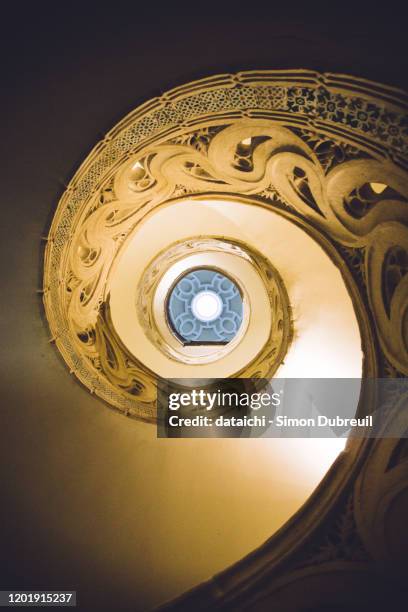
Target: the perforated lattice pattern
pixel 181 316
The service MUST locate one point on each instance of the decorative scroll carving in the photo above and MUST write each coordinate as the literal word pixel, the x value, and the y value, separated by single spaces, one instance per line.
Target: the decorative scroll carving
pixel 305 148
pixel 388 289
pixel 381 488
pixel 118 366
pixel 340 542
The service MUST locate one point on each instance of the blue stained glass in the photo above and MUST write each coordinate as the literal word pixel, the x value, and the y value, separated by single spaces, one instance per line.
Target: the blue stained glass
pixel 221 322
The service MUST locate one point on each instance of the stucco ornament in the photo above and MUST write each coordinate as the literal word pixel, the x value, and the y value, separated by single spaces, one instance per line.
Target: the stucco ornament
pixel 327 152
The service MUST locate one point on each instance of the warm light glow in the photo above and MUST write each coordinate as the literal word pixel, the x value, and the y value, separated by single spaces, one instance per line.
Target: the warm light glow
pixel 378 187
pixel 206 306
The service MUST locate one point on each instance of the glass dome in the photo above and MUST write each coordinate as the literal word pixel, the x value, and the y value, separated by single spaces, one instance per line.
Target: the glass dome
pixel 205 307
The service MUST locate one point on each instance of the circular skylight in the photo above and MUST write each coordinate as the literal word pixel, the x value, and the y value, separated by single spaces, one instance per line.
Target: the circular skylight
pixel 205 307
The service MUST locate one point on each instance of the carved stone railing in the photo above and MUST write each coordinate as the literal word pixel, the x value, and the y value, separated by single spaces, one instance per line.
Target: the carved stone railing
pixel 328 152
